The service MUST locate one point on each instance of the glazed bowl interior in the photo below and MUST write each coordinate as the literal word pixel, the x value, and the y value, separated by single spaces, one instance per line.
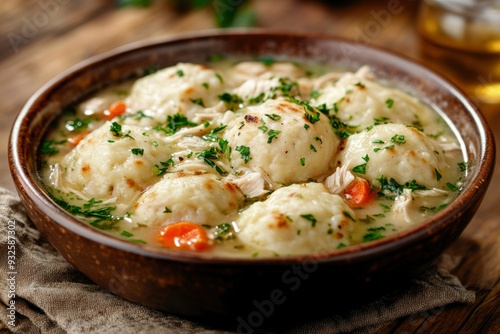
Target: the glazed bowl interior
pixel 404 254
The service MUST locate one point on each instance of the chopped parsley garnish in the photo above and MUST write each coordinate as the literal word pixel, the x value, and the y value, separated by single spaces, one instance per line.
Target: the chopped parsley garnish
pixel 393 186
pixel 360 169
pixel 374 234
pixel 381 120
pixel 257 99
pixel 48 147
pixel 274 117
pixel 263 127
pixel 313 118
pixel 115 128
pixel 389 103
pixel 218 76
pixel 340 128
pixel 154 143
pixel 137 115
pixel 398 139
pixel 302 161
pixel 151 69
pixel 215 57
pixel 175 123
pixel 272 134
pixel 138 241
pixel 126 234
pixel 368 219
pixel 231 100
pixel 463 166
pixel 437 135
pixel 315 94
pixel 167 210
pixel 306 126
pixel 206 85
pixel 208 156
pixel 77 124
pixel 223 232
pixel 348 215
pixel 438 175
pixel 341 245
pixel 385 207
pixel 378 141
pixel 180 73
pixel 198 101
pixel 434 208
pixel 244 151
pixel 336 104
pixel 451 186
pixel 138 151
pixel 267 60
pixel 212 136
pixel 313 148
pixel 310 218
pixel 102 214
pixel 161 169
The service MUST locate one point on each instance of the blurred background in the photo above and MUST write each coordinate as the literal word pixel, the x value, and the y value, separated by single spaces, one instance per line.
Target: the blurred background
pixel 458 38
pixel 40 38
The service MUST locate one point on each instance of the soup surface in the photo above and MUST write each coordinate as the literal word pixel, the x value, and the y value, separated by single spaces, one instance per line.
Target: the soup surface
pixel 252 159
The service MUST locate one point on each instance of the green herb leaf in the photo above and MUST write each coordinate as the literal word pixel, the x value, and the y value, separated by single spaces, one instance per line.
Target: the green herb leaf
pixel 389 103
pixel 310 218
pixel 360 169
pixel 115 128
pixel 244 152
pixel 138 151
pixel 438 175
pixel 272 134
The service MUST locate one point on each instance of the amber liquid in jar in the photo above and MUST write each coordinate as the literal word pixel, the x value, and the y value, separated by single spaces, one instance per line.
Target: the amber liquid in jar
pixel 461 39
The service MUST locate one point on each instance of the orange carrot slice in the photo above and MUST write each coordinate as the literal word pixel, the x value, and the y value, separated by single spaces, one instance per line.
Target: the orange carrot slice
pixel 116 109
pixel 184 236
pixel 359 193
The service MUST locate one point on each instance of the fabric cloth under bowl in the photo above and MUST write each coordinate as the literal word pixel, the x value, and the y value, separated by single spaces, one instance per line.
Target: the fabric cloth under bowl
pixel 51 296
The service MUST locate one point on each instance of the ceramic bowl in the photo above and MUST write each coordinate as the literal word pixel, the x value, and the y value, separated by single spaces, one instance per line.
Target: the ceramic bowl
pixel 247 292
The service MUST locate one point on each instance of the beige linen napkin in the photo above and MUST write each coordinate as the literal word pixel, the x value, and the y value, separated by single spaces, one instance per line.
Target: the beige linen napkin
pixel 53 297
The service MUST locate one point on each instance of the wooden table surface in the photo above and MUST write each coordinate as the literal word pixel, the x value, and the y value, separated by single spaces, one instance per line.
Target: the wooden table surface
pixel 42 38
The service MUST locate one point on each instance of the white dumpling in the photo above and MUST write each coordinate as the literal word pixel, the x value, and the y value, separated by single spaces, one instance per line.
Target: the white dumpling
pixel 394 151
pixel 360 101
pixel 113 163
pixel 186 89
pixel 198 197
pixel 297 220
pixel 277 138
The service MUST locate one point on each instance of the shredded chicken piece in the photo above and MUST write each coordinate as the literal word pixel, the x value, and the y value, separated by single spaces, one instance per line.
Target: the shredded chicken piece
pixel 402 204
pixel 364 72
pixel 252 184
pixel 192 143
pixel 210 114
pixel 430 193
pixel 447 146
pixel 193 165
pixel 339 180
pixel 323 80
pixel 254 87
pixel 198 130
